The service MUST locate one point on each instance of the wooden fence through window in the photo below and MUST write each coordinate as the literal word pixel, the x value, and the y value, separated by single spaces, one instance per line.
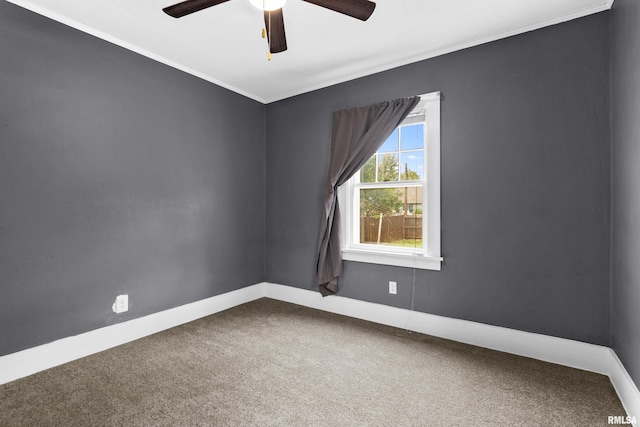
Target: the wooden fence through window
pixel 394 228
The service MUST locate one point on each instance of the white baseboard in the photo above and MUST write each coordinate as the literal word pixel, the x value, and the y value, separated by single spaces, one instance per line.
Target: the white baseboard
pixel 561 351
pixel 27 362
pixel 625 387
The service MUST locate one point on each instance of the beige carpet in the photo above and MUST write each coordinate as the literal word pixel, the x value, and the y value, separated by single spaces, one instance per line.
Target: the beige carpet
pixel 269 363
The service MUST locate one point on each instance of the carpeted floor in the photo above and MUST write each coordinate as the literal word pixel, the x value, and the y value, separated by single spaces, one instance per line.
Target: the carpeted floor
pixel 270 363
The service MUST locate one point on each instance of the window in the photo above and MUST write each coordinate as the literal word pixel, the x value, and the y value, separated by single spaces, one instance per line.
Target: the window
pixel 391 207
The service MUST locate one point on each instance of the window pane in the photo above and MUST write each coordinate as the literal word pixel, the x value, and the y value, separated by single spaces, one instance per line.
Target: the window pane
pixel 391 216
pixel 412 137
pixel 412 165
pixel 368 171
pixel 388 167
pixel 391 144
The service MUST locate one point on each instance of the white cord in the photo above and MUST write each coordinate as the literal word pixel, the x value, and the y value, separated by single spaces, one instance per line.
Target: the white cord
pixel 413 296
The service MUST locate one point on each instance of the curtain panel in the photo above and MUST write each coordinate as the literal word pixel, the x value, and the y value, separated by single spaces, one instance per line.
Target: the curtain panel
pixel 356 135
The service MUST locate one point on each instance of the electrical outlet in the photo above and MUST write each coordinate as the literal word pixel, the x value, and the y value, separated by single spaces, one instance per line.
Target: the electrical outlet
pixel 393 288
pixel 122 304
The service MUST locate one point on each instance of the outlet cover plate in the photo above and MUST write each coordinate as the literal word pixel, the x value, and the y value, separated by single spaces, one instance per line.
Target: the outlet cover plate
pixel 122 304
pixel 393 288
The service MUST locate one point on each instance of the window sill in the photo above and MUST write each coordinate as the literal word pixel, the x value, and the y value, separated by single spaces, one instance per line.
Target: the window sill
pixel 393 258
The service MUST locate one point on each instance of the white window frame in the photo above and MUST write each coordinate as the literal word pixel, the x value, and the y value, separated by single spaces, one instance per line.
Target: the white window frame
pixel 428 257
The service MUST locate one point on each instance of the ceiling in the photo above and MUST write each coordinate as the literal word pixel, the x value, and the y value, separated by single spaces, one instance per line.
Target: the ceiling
pixel 223 44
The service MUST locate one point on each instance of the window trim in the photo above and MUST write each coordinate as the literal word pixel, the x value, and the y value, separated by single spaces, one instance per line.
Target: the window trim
pixel 429 256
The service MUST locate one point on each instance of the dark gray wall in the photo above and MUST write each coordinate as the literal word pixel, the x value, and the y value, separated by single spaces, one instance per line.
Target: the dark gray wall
pixel 626 184
pixel 525 183
pixel 117 175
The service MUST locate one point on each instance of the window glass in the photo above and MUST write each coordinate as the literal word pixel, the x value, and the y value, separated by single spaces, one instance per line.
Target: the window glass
pixel 388 167
pixel 412 137
pixel 391 144
pixel 368 171
pixel 412 165
pixel 391 216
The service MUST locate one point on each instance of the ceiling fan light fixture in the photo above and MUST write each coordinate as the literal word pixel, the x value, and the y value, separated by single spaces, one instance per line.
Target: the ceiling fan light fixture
pixel 268 5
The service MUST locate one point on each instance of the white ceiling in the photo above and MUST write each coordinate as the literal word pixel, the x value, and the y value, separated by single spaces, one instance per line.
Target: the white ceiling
pixel 223 44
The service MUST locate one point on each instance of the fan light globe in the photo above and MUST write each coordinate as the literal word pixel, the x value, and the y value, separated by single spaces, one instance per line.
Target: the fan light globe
pixel 268 5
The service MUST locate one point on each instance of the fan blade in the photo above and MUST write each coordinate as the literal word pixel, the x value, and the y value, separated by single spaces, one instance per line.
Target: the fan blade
pixel 189 6
pixel 360 9
pixel 274 23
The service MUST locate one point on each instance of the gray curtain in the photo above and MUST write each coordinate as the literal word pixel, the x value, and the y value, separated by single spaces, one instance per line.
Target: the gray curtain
pixel 357 133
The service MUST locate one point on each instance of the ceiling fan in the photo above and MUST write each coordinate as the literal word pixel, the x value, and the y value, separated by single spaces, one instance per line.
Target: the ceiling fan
pixel 273 19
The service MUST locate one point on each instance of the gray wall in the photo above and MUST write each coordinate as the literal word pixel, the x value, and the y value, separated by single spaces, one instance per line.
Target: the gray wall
pixel 525 183
pixel 117 175
pixel 626 185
